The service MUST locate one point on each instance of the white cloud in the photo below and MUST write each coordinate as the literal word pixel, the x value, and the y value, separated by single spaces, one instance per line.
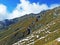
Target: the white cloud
pixel 25 7
pixel 54 5
pixel 3 11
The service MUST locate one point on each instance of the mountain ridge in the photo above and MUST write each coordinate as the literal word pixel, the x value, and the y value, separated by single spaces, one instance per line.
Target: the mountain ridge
pixel 28 24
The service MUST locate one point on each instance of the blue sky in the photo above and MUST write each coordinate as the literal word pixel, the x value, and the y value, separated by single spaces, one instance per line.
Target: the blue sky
pixel 48 2
pixel 17 8
pixel 11 4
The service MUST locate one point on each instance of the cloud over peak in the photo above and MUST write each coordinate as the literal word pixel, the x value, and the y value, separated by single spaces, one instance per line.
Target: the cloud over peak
pixel 3 11
pixel 25 7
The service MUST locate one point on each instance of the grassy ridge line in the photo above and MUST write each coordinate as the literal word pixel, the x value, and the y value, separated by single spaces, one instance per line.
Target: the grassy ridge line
pixel 14 28
pixel 16 25
pixel 8 36
pixel 45 21
pixel 49 23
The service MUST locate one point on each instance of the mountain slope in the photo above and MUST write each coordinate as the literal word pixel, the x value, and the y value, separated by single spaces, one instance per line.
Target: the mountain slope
pixel 33 29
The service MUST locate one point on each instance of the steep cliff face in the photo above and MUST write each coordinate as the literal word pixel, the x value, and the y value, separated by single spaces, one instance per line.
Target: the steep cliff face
pixel 32 29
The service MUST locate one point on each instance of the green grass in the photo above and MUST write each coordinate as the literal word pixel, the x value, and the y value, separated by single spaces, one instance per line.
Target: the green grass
pixel 12 35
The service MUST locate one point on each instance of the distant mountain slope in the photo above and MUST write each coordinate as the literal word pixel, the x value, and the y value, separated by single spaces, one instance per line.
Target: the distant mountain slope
pixel 31 24
pixel 7 22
